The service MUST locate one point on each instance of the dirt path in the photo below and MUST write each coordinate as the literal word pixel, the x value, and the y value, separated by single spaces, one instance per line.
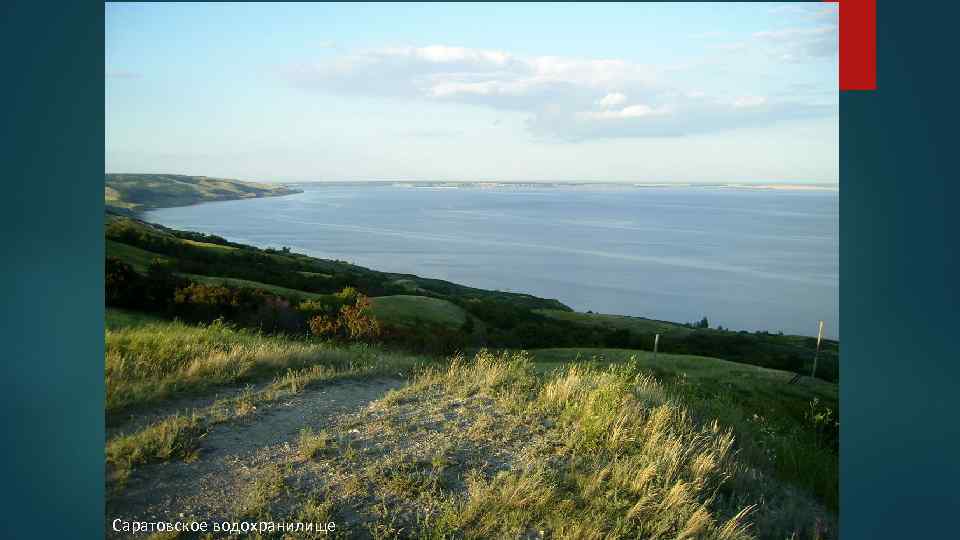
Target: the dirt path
pixel 234 453
pixel 137 419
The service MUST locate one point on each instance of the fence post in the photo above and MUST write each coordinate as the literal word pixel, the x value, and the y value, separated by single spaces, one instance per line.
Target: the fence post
pixel 816 355
pixel 656 341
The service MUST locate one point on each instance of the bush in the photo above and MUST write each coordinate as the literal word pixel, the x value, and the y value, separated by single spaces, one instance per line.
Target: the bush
pixel 352 322
pixel 122 284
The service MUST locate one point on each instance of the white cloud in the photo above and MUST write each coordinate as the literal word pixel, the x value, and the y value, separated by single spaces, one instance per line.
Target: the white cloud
pixel 612 100
pixel 565 98
pixel 633 111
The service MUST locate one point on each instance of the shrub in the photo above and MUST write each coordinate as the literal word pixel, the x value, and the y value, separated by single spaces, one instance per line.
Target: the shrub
pixel 122 283
pixel 352 322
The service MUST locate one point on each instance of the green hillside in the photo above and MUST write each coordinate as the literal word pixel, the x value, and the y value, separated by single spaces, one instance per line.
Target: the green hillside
pixel 504 442
pixel 406 309
pixel 129 193
pixel 785 352
pixel 618 322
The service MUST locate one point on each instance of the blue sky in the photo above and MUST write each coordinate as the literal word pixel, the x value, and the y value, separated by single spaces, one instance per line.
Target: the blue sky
pixel 642 92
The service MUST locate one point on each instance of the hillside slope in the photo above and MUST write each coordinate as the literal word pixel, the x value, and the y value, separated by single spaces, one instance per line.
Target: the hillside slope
pixel 387 445
pixel 129 193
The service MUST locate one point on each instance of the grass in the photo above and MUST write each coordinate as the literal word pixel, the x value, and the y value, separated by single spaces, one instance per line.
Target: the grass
pixel 175 437
pixel 750 382
pixel 117 319
pixel 559 443
pixel 585 451
pixel 407 309
pixel 149 360
pixel 617 322
pixel 791 430
pixel 207 245
pixel 152 361
pixel 267 486
pixel 313 444
pixel 139 259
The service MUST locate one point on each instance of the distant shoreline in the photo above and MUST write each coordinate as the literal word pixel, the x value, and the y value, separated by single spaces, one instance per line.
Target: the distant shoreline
pixel 560 185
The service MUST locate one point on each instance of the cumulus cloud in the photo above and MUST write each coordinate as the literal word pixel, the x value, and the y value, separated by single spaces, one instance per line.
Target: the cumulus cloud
pixel 565 98
pixel 633 111
pixel 612 100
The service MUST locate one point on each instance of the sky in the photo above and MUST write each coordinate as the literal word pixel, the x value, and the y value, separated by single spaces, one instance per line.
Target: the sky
pixel 638 92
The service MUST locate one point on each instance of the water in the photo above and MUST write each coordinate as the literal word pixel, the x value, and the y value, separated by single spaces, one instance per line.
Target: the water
pixel 746 259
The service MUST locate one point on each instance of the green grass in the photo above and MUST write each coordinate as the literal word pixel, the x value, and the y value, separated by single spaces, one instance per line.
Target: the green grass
pixel 407 310
pixel 708 373
pixel 139 259
pixel 608 452
pixel 617 322
pixel 175 437
pixel 313 444
pixel 791 429
pixel 208 245
pixel 117 319
pixel 147 362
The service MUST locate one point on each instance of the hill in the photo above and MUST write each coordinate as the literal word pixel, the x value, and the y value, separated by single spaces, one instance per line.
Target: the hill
pixel 130 193
pixel 779 351
pixel 407 309
pixel 227 424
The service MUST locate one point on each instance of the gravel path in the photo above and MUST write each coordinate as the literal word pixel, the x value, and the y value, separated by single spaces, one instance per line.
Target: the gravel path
pixel 232 454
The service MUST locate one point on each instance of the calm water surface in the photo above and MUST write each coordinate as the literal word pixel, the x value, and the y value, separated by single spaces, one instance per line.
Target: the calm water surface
pixel 746 259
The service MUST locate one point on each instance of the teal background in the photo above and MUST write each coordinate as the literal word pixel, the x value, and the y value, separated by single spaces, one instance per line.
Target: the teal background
pixel 899 265
pixel 900 367
pixel 51 275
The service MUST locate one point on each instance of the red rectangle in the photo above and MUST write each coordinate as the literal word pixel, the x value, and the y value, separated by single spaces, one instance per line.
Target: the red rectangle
pixel 858 44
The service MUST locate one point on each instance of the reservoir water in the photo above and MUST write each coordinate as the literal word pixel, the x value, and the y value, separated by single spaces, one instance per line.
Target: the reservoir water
pixel 745 258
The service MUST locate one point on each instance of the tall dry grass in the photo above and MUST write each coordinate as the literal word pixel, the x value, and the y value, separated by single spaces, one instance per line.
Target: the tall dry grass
pixel 633 464
pixel 155 361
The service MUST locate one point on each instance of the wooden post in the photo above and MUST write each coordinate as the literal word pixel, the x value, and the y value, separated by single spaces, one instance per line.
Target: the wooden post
pixel 817 353
pixel 656 341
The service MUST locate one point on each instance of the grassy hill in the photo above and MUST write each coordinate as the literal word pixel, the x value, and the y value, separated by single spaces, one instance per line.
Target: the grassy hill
pixel 575 443
pixel 406 309
pixel 130 193
pixel 619 322
pixel 762 348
